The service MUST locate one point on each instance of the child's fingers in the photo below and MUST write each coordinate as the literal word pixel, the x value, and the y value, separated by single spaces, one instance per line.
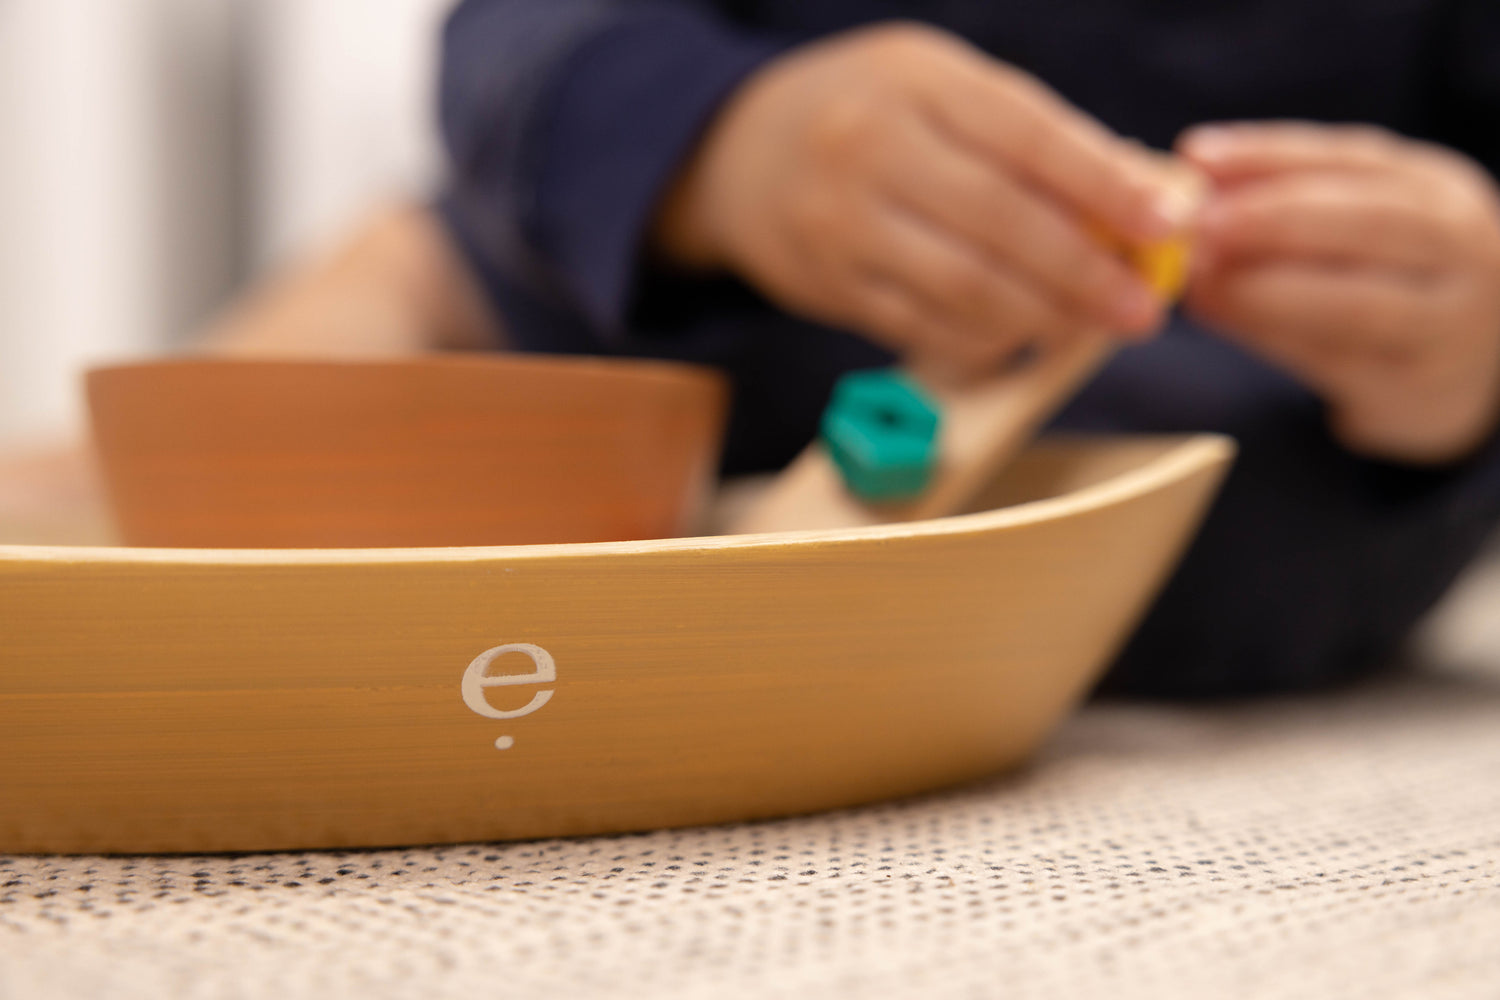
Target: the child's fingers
pixel 1022 231
pixel 1316 313
pixel 1243 150
pixel 1021 125
pixel 993 309
pixel 1362 219
pixel 926 337
pixel 1408 404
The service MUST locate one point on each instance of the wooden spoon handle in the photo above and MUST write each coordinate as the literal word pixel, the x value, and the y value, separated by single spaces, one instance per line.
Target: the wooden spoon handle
pixel 987 423
pixel 983 427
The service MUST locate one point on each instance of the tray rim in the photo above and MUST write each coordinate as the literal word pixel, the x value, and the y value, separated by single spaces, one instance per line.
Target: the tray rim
pixel 1188 451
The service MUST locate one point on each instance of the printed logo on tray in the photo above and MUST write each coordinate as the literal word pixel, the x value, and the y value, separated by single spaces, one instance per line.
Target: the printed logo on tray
pixel 478 677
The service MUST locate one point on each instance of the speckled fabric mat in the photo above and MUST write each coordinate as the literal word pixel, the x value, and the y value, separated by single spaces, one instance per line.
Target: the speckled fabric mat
pixel 1346 845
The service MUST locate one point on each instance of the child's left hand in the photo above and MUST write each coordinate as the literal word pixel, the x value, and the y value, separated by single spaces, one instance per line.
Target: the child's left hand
pixel 1368 266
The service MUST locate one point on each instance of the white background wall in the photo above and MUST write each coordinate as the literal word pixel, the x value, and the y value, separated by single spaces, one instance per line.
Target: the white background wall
pixel 155 154
pixel 345 91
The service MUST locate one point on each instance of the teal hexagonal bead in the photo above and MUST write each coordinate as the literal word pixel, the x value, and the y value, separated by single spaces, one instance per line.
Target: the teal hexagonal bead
pixel 880 429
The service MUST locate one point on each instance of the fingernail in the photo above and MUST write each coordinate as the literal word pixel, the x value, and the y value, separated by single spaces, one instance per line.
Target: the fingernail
pixel 1177 206
pixel 1209 142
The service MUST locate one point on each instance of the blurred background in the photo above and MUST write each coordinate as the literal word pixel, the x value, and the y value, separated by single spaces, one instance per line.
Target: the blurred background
pixel 155 155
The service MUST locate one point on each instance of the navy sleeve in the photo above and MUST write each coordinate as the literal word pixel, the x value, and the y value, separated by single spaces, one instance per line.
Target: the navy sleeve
pixel 1466 104
pixel 564 121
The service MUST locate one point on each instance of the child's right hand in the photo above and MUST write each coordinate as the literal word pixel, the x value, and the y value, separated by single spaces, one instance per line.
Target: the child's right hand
pixel 895 181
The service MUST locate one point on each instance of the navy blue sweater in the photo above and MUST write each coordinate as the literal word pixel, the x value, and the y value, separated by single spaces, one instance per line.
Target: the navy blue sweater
pixel 565 119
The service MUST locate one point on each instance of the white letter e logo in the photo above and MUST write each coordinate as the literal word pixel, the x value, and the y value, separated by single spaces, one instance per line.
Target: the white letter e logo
pixel 476 680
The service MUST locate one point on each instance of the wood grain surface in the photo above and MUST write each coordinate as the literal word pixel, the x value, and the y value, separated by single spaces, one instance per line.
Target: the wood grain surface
pixel 194 700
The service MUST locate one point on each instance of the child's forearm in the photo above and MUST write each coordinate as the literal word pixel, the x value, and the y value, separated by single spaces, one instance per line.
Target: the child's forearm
pixel 395 285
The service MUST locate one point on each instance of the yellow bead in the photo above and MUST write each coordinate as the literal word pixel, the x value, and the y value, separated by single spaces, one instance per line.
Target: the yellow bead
pixel 1163 266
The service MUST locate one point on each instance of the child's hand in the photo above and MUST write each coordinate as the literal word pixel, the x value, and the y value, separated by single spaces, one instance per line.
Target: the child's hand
pixel 895 181
pixel 1365 264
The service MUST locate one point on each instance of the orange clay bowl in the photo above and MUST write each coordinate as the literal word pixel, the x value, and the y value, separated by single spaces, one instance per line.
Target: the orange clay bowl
pixel 449 450
pixel 211 700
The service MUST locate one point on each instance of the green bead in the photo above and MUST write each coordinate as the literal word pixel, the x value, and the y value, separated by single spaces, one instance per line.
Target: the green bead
pixel 880 429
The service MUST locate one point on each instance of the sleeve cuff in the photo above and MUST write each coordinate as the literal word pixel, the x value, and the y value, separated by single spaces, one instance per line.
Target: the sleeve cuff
pixel 623 113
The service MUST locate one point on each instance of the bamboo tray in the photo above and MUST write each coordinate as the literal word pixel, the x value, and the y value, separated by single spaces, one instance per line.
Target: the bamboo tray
pixel 210 700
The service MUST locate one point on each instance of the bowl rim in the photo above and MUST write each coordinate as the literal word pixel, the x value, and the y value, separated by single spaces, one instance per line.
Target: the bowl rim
pixel 633 368
pixel 1186 453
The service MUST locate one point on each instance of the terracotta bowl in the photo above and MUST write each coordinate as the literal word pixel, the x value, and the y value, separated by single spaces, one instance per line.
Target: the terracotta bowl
pixel 449 450
pixel 200 700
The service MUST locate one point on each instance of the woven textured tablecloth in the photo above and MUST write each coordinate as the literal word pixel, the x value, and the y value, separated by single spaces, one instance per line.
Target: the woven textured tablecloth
pixel 1344 845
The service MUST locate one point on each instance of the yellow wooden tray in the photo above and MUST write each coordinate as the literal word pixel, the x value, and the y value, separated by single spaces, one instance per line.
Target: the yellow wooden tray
pixel 206 700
